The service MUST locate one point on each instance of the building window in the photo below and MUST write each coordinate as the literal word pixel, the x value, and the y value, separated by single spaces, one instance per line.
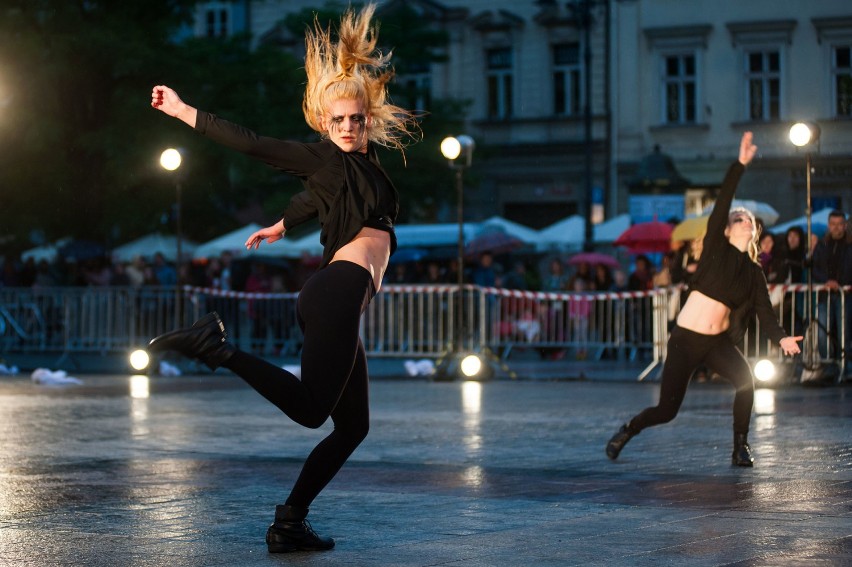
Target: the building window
pixel 763 84
pixel 217 22
pixel 566 79
pixel 415 86
pixel 842 80
pixel 680 89
pixel 499 63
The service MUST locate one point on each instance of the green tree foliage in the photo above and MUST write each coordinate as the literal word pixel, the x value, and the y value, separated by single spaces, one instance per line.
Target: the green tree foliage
pixel 70 72
pixel 79 142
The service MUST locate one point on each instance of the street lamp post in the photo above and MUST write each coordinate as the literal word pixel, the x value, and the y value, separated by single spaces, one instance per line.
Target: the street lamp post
pixel 807 134
pixel 170 160
pixel 459 153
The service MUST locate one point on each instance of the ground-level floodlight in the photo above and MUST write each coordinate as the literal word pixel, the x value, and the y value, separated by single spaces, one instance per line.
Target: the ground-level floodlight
pixel 139 359
pixel 764 370
pixel 471 366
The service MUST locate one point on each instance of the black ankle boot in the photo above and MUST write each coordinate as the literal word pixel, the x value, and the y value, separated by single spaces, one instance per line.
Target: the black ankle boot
pixel 292 532
pixel 619 440
pixel 205 340
pixel 742 452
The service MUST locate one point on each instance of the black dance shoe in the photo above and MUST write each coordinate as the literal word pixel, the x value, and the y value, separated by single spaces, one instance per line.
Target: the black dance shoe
pixel 205 340
pixel 292 532
pixel 741 456
pixel 619 440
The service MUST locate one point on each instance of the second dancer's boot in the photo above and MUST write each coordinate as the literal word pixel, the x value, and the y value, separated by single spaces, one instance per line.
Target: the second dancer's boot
pixel 292 532
pixel 619 440
pixel 741 456
pixel 206 340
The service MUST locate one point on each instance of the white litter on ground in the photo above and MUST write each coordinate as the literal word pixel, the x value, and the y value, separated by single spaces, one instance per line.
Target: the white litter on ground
pixel 47 377
pixel 423 367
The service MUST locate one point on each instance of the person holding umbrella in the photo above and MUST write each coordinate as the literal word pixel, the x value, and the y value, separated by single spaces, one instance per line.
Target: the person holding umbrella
pixel 356 204
pixel 726 288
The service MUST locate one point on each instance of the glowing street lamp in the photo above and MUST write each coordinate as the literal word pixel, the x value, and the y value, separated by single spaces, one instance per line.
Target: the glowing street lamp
pixel 803 134
pixel 459 153
pixel 170 160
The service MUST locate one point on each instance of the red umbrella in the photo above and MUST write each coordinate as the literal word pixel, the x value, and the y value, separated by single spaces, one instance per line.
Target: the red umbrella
pixel 654 236
pixel 593 259
pixel 493 242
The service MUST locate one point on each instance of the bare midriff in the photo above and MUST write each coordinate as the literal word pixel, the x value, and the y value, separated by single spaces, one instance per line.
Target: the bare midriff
pixel 370 249
pixel 704 315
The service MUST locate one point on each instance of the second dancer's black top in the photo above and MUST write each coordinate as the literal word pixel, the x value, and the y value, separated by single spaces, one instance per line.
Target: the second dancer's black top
pixel 345 191
pixel 729 275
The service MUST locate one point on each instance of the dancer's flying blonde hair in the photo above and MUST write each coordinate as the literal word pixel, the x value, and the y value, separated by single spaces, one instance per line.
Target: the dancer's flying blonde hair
pixel 352 68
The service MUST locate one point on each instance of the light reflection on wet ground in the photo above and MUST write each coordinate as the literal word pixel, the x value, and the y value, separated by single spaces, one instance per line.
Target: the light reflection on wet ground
pixel 186 471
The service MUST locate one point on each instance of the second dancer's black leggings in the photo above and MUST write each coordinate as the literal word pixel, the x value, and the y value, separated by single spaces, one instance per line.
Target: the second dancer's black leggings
pixel 687 350
pixel 334 379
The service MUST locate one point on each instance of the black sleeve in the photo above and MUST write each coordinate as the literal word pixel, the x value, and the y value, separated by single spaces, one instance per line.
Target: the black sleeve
pixel 295 158
pixel 718 220
pixel 763 308
pixel 300 209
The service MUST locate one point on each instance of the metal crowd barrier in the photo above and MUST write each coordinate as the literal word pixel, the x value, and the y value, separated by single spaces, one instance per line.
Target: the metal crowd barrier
pixel 404 321
pixel 588 325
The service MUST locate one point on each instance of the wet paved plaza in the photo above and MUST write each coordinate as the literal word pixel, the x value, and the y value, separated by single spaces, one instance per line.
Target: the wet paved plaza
pixel 187 470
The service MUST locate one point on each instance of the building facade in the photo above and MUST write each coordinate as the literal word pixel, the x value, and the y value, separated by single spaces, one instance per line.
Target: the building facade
pixel 690 76
pixel 570 101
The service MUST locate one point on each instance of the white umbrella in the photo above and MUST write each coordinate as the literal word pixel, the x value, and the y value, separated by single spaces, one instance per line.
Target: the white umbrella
pixel 761 210
pixel 820 217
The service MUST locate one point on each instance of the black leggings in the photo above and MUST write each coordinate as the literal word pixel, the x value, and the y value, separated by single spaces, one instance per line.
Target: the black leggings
pixel 687 350
pixel 334 372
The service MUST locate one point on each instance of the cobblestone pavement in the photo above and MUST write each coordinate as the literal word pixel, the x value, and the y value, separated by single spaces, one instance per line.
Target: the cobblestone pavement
pixel 186 471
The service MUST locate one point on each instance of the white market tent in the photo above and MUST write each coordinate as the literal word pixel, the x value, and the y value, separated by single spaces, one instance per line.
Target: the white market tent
pixel 308 245
pixel 567 233
pixel 526 234
pixel 431 235
pixel 233 242
pixel 570 232
pixel 610 230
pixel 428 235
pixel 150 244
pixel 47 252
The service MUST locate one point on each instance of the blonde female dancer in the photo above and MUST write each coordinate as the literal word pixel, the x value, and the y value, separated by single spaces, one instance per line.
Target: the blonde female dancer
pixel 727 286
pixel 357 205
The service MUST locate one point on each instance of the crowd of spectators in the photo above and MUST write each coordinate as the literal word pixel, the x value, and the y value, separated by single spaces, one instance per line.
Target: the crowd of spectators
pixel 782 258
pixel 222 273
pixel 526 274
